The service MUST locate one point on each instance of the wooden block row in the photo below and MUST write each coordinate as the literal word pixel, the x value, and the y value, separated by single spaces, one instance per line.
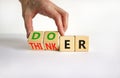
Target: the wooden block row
pixel 51 40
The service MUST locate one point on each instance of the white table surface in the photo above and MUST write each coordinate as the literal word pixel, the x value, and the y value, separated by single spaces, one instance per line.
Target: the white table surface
pixel 102 60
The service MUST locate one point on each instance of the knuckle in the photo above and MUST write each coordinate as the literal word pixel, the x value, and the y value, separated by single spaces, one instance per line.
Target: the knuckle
pixel 65 14
pixel 25 15
pixel 57 17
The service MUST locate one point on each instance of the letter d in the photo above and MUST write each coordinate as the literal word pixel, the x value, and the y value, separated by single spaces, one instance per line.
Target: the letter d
pixel 35 35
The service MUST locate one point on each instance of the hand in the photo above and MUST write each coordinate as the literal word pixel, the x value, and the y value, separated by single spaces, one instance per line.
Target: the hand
pixel 45 7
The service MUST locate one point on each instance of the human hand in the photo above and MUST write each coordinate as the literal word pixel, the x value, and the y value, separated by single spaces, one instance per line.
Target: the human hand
pixel 45 7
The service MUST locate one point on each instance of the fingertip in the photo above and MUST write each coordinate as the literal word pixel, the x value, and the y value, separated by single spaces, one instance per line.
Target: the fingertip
pixel 65 29
pixel 61 32
pixel 28 35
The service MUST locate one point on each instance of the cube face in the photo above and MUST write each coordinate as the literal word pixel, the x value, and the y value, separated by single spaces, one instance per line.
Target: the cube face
pixel 67 43
pixel 35 40
pixel 81 43
pixel 36 36
pixel 51 40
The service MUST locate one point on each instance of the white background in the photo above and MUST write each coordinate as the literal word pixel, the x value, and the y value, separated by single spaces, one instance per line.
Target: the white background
pixel 98 19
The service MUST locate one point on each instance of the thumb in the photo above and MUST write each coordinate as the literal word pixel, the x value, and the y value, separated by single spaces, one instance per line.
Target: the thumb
pixel 28 24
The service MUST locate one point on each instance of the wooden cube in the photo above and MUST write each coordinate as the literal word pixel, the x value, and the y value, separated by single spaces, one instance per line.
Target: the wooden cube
pixel 81 43
pixel 35 40
pixel 51 40
pixel 67 43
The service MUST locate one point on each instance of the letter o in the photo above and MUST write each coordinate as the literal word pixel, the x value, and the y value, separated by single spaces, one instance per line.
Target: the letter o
pixel 51 38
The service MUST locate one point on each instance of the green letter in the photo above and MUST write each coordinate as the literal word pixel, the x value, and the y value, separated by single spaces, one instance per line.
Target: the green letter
pixel 51 38
pixel 36 35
